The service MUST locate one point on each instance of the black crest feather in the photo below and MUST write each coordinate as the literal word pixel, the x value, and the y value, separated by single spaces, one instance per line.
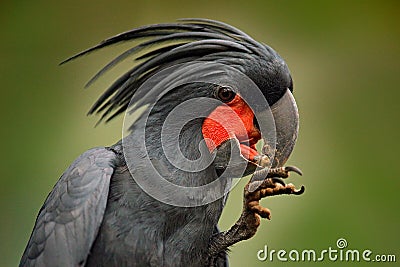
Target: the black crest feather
pixel 165 45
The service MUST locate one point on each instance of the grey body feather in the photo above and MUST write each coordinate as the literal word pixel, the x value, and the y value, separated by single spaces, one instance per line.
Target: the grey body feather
pixel 97 215
pixel 69 220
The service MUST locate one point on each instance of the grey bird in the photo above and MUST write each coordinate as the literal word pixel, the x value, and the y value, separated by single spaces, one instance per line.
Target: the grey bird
pixel 109 208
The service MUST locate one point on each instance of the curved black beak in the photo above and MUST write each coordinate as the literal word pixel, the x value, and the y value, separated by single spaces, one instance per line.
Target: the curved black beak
pixel 286 116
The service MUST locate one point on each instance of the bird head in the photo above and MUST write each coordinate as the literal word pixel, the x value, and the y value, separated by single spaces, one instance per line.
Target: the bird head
pixel 209 93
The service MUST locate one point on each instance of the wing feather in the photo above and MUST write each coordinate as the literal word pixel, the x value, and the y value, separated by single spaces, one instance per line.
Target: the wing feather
pixel 69 220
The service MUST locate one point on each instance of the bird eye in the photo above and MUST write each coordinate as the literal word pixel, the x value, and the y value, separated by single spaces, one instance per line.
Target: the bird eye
pixel 225 94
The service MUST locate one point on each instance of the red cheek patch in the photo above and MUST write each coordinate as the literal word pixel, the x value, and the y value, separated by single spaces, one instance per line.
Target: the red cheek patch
pixel 231 120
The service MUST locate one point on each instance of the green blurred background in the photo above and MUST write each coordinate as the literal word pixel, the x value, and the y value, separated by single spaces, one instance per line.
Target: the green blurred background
pixel 344 58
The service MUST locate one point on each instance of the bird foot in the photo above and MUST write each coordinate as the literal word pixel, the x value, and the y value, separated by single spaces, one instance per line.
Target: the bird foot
pixel 254 191
pixel 247 225
pixel 270 186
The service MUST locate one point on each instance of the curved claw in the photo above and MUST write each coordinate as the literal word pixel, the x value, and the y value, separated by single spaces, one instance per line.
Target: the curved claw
pixel 278 180
pixel 299 191
pixel 293 169
pixel 281 172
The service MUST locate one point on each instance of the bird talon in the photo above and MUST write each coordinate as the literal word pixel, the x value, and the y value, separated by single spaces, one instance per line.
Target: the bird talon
pixel 277 181
pixel 279 172
pixel 283 172
pixel 300 191
pixel 293 169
